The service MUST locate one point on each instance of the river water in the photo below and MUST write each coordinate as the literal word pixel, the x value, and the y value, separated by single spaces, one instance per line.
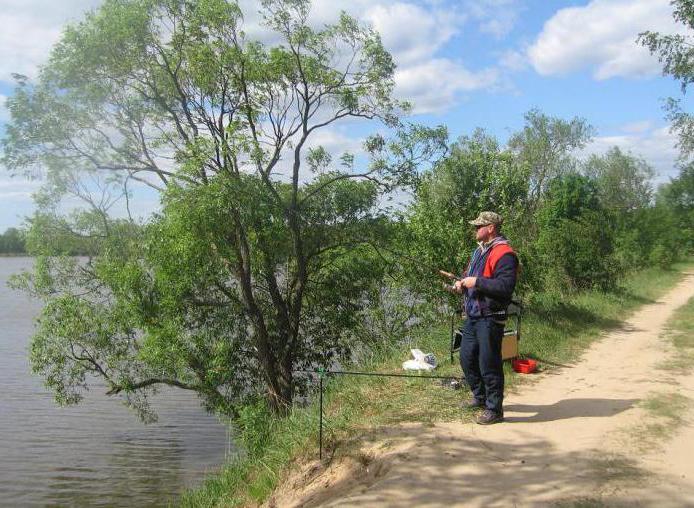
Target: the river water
pixel 96 453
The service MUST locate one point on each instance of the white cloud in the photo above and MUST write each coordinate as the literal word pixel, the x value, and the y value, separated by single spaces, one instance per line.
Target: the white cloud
pixel 335 142
pixel 495 17
pixel 513 60
pixel 601 36
pixel 16 195
pixel 16 183
pixel 16 188
pixel 17 209
pixel 657 146
pixel 23 45
pixel 435 85
pixel 410 32
pixel 30 28
pixel 413 33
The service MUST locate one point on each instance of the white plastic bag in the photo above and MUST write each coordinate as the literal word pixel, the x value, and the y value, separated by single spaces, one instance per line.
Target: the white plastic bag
pixel 420 362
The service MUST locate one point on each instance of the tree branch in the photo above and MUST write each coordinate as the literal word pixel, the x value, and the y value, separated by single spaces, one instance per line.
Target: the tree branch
pixel 116 389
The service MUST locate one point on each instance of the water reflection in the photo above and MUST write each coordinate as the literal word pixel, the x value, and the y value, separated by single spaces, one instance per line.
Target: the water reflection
pixel 97 453
pixel 132 470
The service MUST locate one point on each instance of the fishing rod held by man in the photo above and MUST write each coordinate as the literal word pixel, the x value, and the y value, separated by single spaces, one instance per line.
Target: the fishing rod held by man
pixel 449 287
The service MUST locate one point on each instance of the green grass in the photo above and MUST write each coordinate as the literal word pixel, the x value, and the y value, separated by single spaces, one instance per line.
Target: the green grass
pixel 665 411
pixel 669 406
pixel 555 331
pixel 680 333
pixel 665 414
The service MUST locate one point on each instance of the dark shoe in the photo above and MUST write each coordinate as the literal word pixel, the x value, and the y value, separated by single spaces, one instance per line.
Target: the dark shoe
pixel 488 417
pixel 471 404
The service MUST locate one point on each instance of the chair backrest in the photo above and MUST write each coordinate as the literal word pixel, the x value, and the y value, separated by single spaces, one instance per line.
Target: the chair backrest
pixel 513 327
pixel 514 309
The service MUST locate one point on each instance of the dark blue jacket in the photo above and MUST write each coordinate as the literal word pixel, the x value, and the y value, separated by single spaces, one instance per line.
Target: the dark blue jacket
pixel 491 294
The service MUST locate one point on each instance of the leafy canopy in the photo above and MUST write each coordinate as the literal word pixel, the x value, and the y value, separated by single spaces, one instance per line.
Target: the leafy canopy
pixel 263 254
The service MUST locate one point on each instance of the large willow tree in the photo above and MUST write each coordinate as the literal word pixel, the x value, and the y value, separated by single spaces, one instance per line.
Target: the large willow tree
pixel 258 263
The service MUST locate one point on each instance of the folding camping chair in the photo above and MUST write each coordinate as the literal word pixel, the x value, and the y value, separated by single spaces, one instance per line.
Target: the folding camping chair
pixel 512 332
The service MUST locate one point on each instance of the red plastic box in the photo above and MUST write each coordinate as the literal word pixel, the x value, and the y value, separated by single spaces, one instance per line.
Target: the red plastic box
pixel 524 365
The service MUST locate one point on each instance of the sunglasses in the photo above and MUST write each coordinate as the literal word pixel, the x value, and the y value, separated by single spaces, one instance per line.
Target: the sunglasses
pixel 484 226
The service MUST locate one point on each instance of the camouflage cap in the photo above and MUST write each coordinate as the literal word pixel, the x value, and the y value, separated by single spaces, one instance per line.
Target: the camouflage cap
pixel 487 218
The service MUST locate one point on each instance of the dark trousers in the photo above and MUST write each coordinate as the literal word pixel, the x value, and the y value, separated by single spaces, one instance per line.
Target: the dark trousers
pixel 480 358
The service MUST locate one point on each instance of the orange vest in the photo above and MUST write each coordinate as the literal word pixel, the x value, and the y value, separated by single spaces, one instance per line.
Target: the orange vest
pixel 497 252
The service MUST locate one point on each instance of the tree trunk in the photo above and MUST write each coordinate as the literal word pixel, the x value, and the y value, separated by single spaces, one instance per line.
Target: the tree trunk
pixel 281 393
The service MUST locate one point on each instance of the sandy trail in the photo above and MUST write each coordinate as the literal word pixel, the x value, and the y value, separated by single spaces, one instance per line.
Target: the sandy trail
pixel 574 437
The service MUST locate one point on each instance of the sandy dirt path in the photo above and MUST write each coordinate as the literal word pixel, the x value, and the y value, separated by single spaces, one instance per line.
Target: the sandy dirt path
pixel 578 436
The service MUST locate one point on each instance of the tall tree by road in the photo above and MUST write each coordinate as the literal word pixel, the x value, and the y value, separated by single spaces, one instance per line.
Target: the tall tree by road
pixel 259 259
pixel 676 53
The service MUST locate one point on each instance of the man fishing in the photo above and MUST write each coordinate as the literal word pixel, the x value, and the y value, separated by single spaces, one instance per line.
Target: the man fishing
pixel 487 286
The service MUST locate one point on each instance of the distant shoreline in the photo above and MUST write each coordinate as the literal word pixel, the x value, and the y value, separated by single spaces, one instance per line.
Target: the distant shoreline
pixel 15 255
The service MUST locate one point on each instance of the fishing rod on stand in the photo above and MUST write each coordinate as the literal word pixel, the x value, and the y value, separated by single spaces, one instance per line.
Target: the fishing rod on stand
pixel 323 373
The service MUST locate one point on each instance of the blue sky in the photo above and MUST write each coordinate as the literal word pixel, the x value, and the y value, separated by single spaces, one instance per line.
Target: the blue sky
pixel 463 63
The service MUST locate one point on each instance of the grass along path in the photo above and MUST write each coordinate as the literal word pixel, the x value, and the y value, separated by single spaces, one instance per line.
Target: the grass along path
pixel 555 330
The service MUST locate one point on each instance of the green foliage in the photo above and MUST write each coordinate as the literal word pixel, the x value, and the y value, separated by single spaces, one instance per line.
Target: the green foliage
pixel 13 241
pixel 255 427
pixel 677 197
pixel 643 234
pixel 254 267
pixel 268 256
pixel 80 233
pixel 545 145
pixel 623 181
pixel 573 246
pixel 679 193
pixel 574 224
pixel 476 175
pixel 568 197
pixel 676 53
pixel 575 253
pixel 649 236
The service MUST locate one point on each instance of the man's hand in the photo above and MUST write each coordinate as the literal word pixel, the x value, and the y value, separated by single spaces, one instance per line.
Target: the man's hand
pixel 467 283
